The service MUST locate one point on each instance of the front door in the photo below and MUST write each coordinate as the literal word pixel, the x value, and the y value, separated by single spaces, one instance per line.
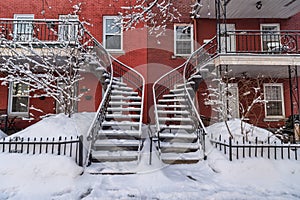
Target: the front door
pixel 228 41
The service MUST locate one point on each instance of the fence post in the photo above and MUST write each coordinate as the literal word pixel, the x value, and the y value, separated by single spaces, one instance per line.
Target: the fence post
pixel 80 156
pixel 59 146
pixel 230 148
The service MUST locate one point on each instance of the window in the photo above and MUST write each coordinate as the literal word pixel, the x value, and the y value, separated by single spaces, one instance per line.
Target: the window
pixel 270 37
pixel 183 45
pixel 274 106
pixel 113 33
pixel 19 98
pixel 68 28
pixel 23 27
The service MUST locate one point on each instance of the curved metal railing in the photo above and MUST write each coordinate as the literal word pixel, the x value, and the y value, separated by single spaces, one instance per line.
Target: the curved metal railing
pixel 115 68
pixel 198 60
pixel 163 85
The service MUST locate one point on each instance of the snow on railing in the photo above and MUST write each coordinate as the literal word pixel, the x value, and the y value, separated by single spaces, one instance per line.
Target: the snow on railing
pixel 163 85
pixel 64 146
pixel 243 148
pixel 197 61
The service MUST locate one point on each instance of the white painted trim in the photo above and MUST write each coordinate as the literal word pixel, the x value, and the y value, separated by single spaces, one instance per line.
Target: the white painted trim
pixel 10 101
pixel 104 34
pixel 282 102
pixel 192 39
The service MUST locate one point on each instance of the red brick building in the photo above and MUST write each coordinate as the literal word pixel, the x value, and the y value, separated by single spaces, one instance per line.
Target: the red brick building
pixel 247 51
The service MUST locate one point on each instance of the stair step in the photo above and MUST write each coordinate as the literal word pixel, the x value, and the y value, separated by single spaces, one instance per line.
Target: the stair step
pixel 167 147
pixel 177 86
pixel 174 95
pixel 171 100
pixel 185 127
pixel 122 88
pixel 120 124
pixel 119 83
pixel 120 92
pixel 124 109
pixel 180 119
pixel 120 134
pixel 180 90
pixel 120 97
pixel 114 156
pixel 171 106
pixel 116 145
pixel 120 116
pixel 124 103
pixel 178 135
pixel 181 158
pixel 179 112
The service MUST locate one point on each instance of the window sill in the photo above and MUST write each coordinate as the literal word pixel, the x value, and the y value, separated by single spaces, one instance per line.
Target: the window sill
pixel 116 52
pixel 276 119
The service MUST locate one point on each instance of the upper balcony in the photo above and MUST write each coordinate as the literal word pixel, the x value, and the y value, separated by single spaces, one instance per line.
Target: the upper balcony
pixel 41 33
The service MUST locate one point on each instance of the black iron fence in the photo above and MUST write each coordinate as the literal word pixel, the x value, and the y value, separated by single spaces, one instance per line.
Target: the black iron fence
pixel 72 146
pixel 264 149
pixel 261 42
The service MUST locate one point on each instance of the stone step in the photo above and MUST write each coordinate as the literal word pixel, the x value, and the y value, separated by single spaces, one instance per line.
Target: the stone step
pixel 165 106
pixel 125 93
pixel 122 88
pixel 173 100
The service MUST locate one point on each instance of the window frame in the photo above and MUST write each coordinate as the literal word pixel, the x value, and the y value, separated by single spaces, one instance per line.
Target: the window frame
pixel 18 36
pixel 191 39
pixel 282 101
pixel 10 101
pixel 112 34
pixel 277 25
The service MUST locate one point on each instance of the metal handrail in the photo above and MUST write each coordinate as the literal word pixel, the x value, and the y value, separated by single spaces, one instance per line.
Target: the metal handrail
pixel 157 96
pixel 203 50
pixel 100 113
pixel 95 125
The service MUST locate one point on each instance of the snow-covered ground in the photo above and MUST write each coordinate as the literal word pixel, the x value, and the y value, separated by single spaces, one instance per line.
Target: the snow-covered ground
pixel 58 177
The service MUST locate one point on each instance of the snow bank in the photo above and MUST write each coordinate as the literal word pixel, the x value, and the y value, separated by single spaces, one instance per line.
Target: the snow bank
pixel 2 134
pixel 59 125
pixel 35 176
pixel 235 128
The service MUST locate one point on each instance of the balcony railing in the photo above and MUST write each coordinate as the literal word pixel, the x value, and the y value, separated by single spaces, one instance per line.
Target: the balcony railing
pixel 260 42
pixel 36 31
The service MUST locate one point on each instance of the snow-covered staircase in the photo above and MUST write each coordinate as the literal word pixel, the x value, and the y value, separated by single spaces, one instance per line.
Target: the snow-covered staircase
pixel 115 134
pixel 119 138
pixel 178 140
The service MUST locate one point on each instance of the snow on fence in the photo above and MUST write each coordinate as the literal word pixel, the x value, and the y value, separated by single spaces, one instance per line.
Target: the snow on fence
pixel 264 149
pixel 72 147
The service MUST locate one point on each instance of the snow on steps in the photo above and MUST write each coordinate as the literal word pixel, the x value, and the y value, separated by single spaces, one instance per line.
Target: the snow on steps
pixel 114 156
pixel 175 112
pixel 119 134
pixel 181 158
pixel 178 147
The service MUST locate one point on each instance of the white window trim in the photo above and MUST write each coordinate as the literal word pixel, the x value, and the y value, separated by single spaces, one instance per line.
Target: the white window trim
pixel 266 25
pixel 15 32
pixel 10 101
pixel 192 39
pixel 282 101
pixel 104 34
